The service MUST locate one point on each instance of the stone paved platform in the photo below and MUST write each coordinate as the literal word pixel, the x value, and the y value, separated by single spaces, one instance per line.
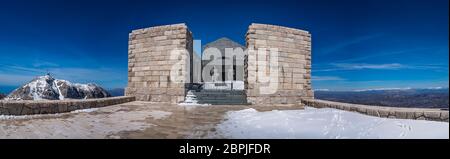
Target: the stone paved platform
pixel 128 120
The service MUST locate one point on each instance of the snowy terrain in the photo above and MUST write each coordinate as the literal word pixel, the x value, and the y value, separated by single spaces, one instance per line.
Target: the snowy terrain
pixel 325 123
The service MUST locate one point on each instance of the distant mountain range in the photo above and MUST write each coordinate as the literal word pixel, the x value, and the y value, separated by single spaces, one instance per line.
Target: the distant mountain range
pixel 419 98
pixel 117 92
pixel 48 88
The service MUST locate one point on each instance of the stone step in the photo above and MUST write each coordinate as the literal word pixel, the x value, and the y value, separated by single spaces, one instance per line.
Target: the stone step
pixel 217 97
pixel 214 95
pixel 223 103
pixel 198 95
pixel 221 98
pixel 219 93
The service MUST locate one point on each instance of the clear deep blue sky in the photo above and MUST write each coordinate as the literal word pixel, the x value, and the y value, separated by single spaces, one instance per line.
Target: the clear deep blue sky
pixel 360 44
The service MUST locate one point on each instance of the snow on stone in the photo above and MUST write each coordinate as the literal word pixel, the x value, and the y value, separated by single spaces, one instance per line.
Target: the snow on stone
pixel 85 110
pixel 325 123
pixel 193 104
pixel 159 114
pixel 17 117
pixel 191 100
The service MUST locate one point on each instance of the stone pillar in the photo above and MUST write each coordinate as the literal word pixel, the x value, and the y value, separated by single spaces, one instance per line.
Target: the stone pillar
pixel 294 64
pixel 150 64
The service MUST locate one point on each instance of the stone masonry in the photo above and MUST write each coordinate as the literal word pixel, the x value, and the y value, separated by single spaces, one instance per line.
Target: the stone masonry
pixel 30 107
pixel 150 64
pixel 294 64
pixel 382 111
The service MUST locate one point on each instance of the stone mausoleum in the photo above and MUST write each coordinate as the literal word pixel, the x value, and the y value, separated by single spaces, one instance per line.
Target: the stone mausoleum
pixel 273 68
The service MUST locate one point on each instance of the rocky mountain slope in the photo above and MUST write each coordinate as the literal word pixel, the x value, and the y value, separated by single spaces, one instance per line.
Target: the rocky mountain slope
pixel 48 88
pixel 2 96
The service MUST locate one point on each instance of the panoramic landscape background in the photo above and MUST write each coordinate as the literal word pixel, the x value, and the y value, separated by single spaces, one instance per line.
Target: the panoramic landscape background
pixel 380 52
pixel 416 98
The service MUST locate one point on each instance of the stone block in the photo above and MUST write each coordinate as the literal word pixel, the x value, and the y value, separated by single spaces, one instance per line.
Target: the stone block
pixel 15 108
pixel 432 114
pixel 26 111
pixel 384 112
pixel 353 108
pixel 401 115
pixel 100 103
pixel 347 107
pixel 62 106
pixel 410 115
pixel 93 104
pixel 421 118
pixel 391 114
pixel 45 108
pixel 418 114
pixel 4 111
pixel 341 107
pixel 444 116
pixel 72 106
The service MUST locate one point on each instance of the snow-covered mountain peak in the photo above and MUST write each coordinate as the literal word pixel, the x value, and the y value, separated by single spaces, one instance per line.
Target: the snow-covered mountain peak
pixel 48 88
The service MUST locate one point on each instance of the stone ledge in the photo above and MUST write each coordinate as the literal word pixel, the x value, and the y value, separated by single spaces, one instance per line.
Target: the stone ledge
pixel 57 106
pixel 380 111
pixel 277 27
pixel 159 28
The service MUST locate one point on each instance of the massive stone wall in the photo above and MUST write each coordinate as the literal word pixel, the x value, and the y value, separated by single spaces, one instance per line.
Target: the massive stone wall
pixel 151 63
pixel 293 78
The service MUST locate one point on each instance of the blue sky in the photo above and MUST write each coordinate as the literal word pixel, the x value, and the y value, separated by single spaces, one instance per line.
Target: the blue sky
pixel 356 44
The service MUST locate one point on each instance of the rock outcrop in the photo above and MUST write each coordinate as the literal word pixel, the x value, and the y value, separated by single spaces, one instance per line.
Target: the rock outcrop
pixel 48 88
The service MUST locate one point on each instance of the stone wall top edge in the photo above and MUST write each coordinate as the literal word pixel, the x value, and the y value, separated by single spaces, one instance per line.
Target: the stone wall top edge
pixel 265 26
pixel 63 101
pixel 169 26
pixel 376 107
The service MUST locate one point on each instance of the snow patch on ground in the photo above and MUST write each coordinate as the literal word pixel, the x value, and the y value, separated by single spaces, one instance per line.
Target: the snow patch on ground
pixel 85 110
pixel 325 123
pixel 191 106
pixel 160 114
pixel 15 117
